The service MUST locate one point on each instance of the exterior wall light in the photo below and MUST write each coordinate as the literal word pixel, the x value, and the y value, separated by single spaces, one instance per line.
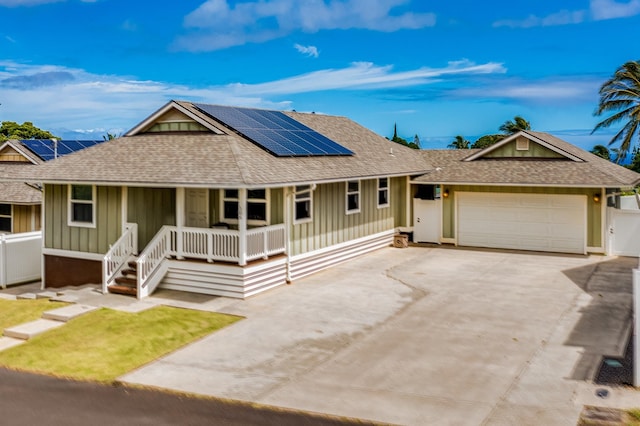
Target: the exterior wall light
pixel 596 198
pixel 445 194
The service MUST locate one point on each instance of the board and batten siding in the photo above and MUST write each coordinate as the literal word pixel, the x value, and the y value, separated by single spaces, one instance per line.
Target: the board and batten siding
pixel 594 210
pixel 151 209
pixel 26 218
pixel 510 150
pixel 331 225
pixel 59 235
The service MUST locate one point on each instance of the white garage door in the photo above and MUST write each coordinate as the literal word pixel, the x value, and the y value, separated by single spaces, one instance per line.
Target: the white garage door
pixel 538 222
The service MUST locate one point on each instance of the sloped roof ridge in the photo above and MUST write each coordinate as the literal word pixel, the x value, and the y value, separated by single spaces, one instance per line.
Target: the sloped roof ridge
pixel 560 144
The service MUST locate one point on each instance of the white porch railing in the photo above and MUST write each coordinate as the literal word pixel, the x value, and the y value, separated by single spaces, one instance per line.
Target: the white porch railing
pixel 119 254
pixel 207 244
pixel 20 257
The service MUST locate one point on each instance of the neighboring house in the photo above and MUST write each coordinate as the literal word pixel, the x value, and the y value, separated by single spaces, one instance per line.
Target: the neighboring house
pixel 20 201
pixel 530 191
pixel 222 200
pixel 20 205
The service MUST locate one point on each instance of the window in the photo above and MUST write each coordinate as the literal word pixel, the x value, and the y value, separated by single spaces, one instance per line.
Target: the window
pixel 5 217
pixel 82 210
pixel 256 206
pixel 303 204
pixel 383 192
pixel 353 196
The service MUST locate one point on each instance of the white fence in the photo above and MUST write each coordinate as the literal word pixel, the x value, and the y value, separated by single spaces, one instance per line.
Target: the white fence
pixel 624 232
pixel 20 256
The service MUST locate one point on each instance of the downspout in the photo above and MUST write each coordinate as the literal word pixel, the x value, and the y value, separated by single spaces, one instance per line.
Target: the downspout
pixel 287 233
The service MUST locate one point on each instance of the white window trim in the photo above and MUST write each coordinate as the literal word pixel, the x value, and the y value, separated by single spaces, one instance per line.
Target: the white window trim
pixel 234 221
pixel 309 198
pixel 346 199
pixel 10 216
pixel 70 202
pixel 387 190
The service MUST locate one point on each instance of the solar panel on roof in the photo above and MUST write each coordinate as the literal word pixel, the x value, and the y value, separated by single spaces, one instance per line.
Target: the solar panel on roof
pixel 45 149
pixel 275 132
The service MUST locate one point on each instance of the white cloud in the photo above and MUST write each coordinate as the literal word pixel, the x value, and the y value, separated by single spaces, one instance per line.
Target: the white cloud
pixel 611 9
pixel 18 3
pixel 563 17
pixel 75 99
pixel 598 10
pixel 307 50
pixel 364 76
pixel 216 25
pixel 556 90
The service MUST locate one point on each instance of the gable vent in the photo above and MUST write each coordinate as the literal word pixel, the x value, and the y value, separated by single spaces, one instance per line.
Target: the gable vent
pixel 522 144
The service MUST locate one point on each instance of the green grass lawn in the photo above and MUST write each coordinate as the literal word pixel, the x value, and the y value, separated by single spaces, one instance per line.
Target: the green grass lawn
pixel 105 344
pixel 14 312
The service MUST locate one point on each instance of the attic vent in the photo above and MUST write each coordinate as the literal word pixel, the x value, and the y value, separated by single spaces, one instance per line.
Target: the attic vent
pixel 522 144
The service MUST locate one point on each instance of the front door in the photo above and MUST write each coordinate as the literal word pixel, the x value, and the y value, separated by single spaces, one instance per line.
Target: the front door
pixel 197 208
pixel 426 220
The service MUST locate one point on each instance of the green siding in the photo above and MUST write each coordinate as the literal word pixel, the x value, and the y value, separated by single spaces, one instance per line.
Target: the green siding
pixel 58 235
pixel 276 199
pixel 594 210
pixel 398 200
pixel 151 209
pixel 535 151
pixel 331 225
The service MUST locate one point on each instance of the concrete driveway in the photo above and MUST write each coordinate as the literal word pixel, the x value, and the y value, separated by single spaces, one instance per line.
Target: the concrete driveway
pixel 424 335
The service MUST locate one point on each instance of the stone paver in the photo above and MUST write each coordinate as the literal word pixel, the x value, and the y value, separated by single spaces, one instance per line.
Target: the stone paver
pixel 9 342
pixel 67 313
pixel 30 329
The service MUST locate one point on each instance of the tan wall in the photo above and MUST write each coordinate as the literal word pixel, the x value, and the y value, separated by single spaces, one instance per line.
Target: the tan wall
pixel 58 235
pixel 331 225
pixel 594 210
pixel 26 218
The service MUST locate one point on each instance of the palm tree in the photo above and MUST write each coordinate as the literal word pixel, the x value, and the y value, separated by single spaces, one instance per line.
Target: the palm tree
pixel 620 95
pixel 601 151
pixel 514 126
pixel 459 143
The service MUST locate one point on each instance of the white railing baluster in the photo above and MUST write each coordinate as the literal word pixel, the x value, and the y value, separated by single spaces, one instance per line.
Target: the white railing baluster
pixel 118 254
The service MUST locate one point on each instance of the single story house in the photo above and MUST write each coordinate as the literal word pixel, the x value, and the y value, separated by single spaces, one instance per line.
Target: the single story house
pixel 530 191
pixel 222 200
pixel 233 201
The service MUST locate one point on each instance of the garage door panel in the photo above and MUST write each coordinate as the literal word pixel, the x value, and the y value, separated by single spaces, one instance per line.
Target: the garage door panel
pixel 541 222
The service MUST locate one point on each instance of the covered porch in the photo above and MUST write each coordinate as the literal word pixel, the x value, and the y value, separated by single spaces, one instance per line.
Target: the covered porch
pixel 217 247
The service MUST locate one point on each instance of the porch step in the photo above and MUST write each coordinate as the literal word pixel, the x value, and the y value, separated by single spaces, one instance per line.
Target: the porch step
pixel 123 289
pixel 129 272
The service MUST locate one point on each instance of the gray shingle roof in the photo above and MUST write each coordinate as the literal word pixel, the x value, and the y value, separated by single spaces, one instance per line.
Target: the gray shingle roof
pixel 592 171
pixel 206 159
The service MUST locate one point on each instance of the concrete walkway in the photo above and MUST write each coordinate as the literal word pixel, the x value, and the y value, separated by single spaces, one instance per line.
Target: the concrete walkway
pixel 417 336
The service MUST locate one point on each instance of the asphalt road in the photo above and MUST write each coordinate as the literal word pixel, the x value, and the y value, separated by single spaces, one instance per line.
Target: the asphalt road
pixel 30 399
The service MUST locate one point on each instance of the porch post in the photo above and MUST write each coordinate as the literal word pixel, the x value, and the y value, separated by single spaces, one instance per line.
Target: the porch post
pixel 242 226
pixel 124 208
pixel 179 220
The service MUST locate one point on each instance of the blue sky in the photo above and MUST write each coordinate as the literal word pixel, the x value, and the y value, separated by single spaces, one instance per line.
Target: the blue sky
pixel 437 69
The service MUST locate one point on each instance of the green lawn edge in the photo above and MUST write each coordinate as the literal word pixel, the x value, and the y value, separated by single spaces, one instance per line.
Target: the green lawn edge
pixel 105 344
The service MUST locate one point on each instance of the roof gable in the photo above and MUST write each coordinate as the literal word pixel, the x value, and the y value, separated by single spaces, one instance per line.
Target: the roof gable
pixel 176 117
pixel 13 152
pixel 528 145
